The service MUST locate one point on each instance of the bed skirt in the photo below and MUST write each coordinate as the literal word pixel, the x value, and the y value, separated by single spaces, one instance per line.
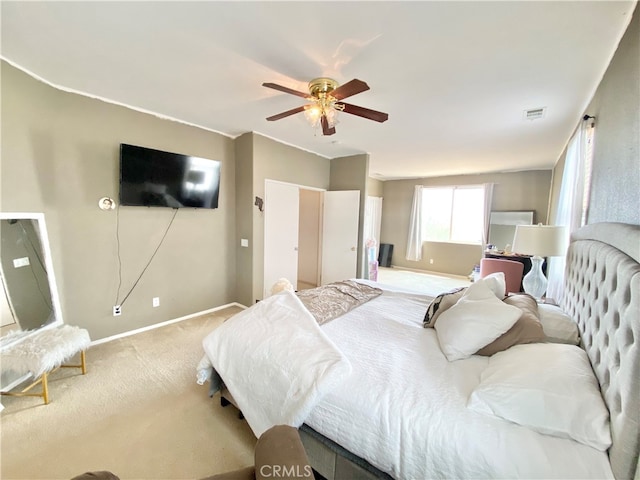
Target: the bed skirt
pixel 327 458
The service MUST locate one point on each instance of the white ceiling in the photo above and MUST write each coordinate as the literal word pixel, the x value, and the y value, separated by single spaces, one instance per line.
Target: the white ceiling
pixel 454 77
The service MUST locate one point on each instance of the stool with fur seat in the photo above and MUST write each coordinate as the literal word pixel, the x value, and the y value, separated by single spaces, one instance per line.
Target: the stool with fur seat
pixel 43 352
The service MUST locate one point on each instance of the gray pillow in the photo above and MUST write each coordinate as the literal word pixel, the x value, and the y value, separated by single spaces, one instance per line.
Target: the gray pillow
pixel 441 303
pixel 527 329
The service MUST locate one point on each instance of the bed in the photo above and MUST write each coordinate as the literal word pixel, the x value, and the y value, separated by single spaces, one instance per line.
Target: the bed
pixel 380 398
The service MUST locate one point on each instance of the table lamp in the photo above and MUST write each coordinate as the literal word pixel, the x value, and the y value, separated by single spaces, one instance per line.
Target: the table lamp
pixel 539 241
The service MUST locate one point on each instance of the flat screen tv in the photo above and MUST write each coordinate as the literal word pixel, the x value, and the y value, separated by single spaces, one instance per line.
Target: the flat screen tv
pixel 153 178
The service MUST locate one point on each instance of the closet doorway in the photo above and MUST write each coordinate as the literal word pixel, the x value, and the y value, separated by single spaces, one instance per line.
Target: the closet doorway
pixel 310 235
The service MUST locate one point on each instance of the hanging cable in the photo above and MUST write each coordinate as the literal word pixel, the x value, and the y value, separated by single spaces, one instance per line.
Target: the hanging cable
pixel 118 253
pixel 150 260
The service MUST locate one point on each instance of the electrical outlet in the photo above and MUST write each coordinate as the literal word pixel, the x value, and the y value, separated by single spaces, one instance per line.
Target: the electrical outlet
pixel 431 261
pixel 117 310
pixel 156 301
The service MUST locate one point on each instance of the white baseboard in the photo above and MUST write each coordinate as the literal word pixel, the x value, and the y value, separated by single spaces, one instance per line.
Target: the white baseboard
pixel 25 377
pixel 162 324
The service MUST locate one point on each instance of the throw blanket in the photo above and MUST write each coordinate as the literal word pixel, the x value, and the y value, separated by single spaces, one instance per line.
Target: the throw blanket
pixel 275 361
pixel 330 301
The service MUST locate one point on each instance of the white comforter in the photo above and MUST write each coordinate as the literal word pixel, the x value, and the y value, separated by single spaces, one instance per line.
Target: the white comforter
pixel 275 361
pixel 403 407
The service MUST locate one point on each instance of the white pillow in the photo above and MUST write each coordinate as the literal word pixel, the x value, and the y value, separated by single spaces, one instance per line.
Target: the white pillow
pixel 557 325
pixel 476 320
pixel 496 283
pixel 547 387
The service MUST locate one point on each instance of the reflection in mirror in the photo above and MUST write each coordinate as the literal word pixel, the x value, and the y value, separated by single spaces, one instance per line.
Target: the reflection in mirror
pixel 29 298
pixel 502 226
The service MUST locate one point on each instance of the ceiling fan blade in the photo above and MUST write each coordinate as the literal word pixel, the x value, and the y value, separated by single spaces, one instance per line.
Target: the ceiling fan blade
pixel 326 130
pixel 365 112
pixel 293 111
pixel 280 88
pixel 349 89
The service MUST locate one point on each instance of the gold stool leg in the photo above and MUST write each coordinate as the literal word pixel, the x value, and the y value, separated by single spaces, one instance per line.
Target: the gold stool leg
pixel 83 362
pixel 45 389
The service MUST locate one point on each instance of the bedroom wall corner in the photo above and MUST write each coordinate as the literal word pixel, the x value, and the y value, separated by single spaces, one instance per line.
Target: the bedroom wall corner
pixel 245 213
pixel 526 190
pixel 352 173
pixel 274 160
pixel 375 187
pixel 615 181
pixel 60 154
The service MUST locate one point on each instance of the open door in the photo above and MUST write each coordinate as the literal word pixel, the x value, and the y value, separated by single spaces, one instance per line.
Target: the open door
pixel 341 214
pixel 281 217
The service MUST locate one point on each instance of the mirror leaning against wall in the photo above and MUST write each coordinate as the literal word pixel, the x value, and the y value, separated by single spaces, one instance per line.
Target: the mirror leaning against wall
pixel 29 297
pixel 502 226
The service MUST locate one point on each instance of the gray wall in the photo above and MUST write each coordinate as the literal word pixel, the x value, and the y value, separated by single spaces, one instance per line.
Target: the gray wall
pixel 309 234
pixel 60 154
pixel 351 173
pixel 276 161
pixel 245 212
pixel 615 187
pixel 375 188
pixel 527 190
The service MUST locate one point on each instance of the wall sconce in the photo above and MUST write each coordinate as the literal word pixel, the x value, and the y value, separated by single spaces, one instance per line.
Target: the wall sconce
pixel 107 203
pixel 259 203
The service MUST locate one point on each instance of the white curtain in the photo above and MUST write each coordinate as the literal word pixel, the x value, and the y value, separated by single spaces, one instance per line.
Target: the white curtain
pixel 571 200
pixel 372 222
pixel 414 242
pixel 488 197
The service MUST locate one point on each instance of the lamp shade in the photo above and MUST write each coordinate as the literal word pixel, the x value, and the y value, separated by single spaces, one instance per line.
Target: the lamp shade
pixel 541 240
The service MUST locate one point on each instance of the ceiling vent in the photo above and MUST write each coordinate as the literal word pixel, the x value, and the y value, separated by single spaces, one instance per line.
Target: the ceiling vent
pixel 535 113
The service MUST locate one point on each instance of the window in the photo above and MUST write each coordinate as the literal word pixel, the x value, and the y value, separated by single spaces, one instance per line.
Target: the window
pixel 453 214
pixel 573 200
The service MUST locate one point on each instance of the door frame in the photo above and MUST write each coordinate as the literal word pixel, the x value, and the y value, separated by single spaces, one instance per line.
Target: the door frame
pixel 300 187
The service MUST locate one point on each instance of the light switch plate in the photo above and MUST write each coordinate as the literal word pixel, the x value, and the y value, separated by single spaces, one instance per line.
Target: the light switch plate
pixel 244 242
pixel 20 262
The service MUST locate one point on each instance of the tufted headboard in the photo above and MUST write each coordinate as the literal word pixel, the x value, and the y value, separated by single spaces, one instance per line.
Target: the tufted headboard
pixel 602 292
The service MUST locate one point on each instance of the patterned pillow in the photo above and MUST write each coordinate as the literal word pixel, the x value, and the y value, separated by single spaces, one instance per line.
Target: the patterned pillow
pixel 527 329
pixel 441 303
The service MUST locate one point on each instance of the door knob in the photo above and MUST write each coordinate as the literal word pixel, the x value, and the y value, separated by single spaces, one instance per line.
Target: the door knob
pixel 353 249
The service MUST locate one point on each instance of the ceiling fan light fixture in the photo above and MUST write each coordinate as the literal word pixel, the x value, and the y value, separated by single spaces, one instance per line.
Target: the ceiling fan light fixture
pixel 312 113
pixel 326 100
pixel 322 108
pixel 331 114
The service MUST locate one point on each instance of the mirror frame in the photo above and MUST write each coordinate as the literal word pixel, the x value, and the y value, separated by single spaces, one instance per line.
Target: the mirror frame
pixel 513 221
pixel 46 251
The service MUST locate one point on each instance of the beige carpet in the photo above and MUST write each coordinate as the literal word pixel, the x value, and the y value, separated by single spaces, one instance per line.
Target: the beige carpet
pixel 138 413
pixel 426 283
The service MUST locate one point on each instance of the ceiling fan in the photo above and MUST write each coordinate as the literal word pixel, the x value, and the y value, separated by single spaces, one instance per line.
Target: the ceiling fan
pixel 326 95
